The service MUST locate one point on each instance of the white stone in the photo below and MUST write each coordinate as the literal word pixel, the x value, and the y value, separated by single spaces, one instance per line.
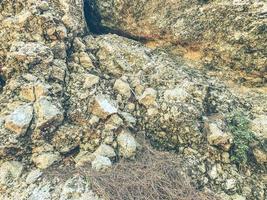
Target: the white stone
pixel 230 184
pixel 259 126
pixel 101 163
pixel 148 98
pixel 176 94
pixel 105 150
pixel 85 60
pixel 127 144
pixel 213 174
pixel 45 160
pixel 33 176
pixel 122 88
pixel 90 80
pixel 218 138
pixel 19 120
pixel 9 171
pixel 103 107
pixel 48 113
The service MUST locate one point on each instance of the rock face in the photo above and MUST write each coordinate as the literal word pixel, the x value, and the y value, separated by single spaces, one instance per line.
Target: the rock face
pixel 19 120
pixel 199 29
pixel 69 96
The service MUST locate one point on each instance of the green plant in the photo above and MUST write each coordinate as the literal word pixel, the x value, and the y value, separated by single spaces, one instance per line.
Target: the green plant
pixel 238 125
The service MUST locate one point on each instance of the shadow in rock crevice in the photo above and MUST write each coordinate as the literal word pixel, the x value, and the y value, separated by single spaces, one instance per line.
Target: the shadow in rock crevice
pixel 93 20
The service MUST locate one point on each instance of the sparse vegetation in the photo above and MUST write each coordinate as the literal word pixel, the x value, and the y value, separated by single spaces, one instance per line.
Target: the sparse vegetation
pixel 238 124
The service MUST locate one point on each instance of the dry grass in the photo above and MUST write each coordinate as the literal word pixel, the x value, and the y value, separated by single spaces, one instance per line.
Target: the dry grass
pixel 153 175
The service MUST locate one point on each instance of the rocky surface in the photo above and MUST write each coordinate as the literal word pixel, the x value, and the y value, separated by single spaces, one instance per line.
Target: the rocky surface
pixel 222 35
pixel 69 95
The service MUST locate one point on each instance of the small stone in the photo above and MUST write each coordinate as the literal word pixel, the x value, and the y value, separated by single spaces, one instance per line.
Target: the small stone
pixel 148 98
pixel 48 114
pixel 40 90
pixel 259 126
pixel 218 138
pixel 19 120
pixel 27 92
pixel 105 150
pixel 85 60
pixel 90 80
pixel 176 94
pixel 83 158
pixel 260 155
pixel 33 176
pixel 101 163
pixel 122 88
pixel 226 157
pixel 127 144
pixel 230 184
pixel 45 160
pixel 213 174
pixel 103 107
pixel 114 122
pixel 9 171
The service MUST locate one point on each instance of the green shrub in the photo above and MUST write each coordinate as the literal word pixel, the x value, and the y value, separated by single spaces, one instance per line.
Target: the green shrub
pixel 238 125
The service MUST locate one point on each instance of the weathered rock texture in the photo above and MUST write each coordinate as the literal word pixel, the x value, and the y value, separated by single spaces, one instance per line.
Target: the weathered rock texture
pixel 65 93
pixel 223 35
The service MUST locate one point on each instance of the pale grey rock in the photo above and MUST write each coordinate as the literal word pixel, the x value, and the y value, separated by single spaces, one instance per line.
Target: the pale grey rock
pixel 260 155
pixel 33 176
pixel 103 107
pixel 176 94
pixel 41 192
pixel 127 144
pixel 85 60
pixel 105 150
pixel 218 138
pixel 122 88
pixel 213 173
pixel 10 171
pixel 19 120
pixel 90 80
pixel 101 163
pixel 48 114
pixel 259 126
pixel 230 184
pixel 148 98
pixel 77 188
pixel 45 160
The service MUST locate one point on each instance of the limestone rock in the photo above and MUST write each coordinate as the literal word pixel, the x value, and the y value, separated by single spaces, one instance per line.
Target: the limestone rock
pixel 103 107
pixel 230 185
pixel 260 155
pixel 176 94
pixel 9 171
pixel 19 120
pixel 90 80
pixel 33 176
pixel 218 138
pixel 259 126
pixel 123 88
pixel 77 188
pixel 183 23
pixel 101 163
pixel 105 150
pixel 127 144
pixel 148 98
pixel 27 92
pixel 45 160
pixel 85 60
pixel 48 114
